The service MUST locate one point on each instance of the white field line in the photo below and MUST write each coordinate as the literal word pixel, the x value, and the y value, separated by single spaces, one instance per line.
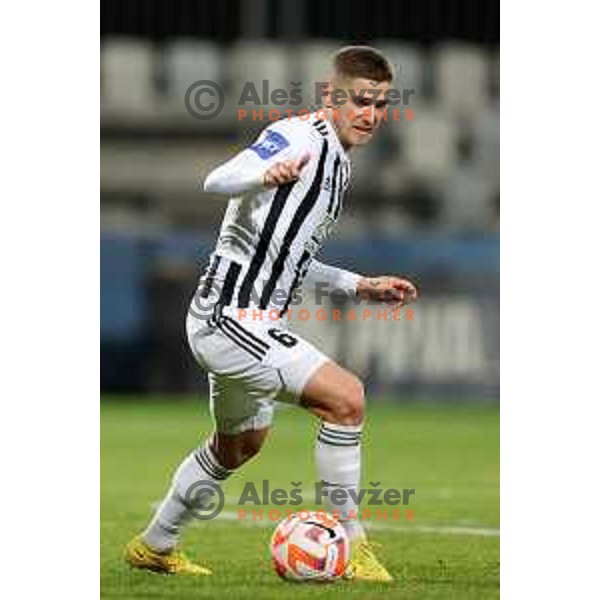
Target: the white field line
pixel 378 526
pixel 228 515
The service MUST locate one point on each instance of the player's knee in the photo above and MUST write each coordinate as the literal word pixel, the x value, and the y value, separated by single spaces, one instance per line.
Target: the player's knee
pixel 351 409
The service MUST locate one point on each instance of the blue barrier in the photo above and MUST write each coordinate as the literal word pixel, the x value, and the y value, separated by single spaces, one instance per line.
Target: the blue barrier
pixel 126 261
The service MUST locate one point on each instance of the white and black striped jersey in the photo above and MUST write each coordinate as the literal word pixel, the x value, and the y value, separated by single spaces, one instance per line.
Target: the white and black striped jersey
pixel 269 237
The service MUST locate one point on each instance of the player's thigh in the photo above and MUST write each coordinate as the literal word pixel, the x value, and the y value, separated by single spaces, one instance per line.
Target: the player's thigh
pixel 239 404
pixel 335 394
pixel 265 356
pixel 251 364
pixel 308 377
pixel 241 390
pixel 296 361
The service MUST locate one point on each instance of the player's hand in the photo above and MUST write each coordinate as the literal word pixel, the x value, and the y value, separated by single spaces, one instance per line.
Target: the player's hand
pixel 284 172
pixel 395 291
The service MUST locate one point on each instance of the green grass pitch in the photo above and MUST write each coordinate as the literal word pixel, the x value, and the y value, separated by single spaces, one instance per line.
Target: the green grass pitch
pixel 449 454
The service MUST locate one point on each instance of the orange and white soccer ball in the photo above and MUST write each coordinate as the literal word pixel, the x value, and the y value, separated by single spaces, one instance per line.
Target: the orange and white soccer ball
pixel 310 546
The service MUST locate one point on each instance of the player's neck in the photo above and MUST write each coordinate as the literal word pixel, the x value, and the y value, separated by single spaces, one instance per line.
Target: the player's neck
pixel 335 126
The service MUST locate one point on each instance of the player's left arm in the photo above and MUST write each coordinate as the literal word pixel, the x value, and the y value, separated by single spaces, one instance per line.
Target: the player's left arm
pixel 338 279
pixel 396 291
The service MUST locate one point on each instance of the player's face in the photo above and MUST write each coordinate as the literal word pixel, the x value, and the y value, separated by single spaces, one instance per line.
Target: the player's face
pixel 361 114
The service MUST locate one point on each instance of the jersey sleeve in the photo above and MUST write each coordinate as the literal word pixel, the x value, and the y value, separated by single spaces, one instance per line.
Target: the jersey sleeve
pixel 341 279
pixel 244 172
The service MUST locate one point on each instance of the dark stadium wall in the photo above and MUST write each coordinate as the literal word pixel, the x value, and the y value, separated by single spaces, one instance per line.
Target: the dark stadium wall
pixel 423 22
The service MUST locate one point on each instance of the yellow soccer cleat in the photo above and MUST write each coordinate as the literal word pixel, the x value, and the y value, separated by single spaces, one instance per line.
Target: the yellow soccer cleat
pixel 364 565
pixel 140 556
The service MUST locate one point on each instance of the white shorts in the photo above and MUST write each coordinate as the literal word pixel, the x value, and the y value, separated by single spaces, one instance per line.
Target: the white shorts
pixel 251 364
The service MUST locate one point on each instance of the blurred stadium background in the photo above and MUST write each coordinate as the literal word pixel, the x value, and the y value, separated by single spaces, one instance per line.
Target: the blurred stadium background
pixel 424 201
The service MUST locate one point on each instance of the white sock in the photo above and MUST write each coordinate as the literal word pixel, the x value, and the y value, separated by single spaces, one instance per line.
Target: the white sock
pixel 164 530
pixel 338 466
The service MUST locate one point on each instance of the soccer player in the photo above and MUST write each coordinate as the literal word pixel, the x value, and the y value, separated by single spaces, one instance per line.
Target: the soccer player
pixel 285 193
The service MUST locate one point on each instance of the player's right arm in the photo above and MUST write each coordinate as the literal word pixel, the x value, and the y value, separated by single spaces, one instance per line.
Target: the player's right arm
pixel 276 158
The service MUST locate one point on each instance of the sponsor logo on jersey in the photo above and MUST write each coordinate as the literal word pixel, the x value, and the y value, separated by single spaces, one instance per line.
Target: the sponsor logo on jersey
pixel 270 145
